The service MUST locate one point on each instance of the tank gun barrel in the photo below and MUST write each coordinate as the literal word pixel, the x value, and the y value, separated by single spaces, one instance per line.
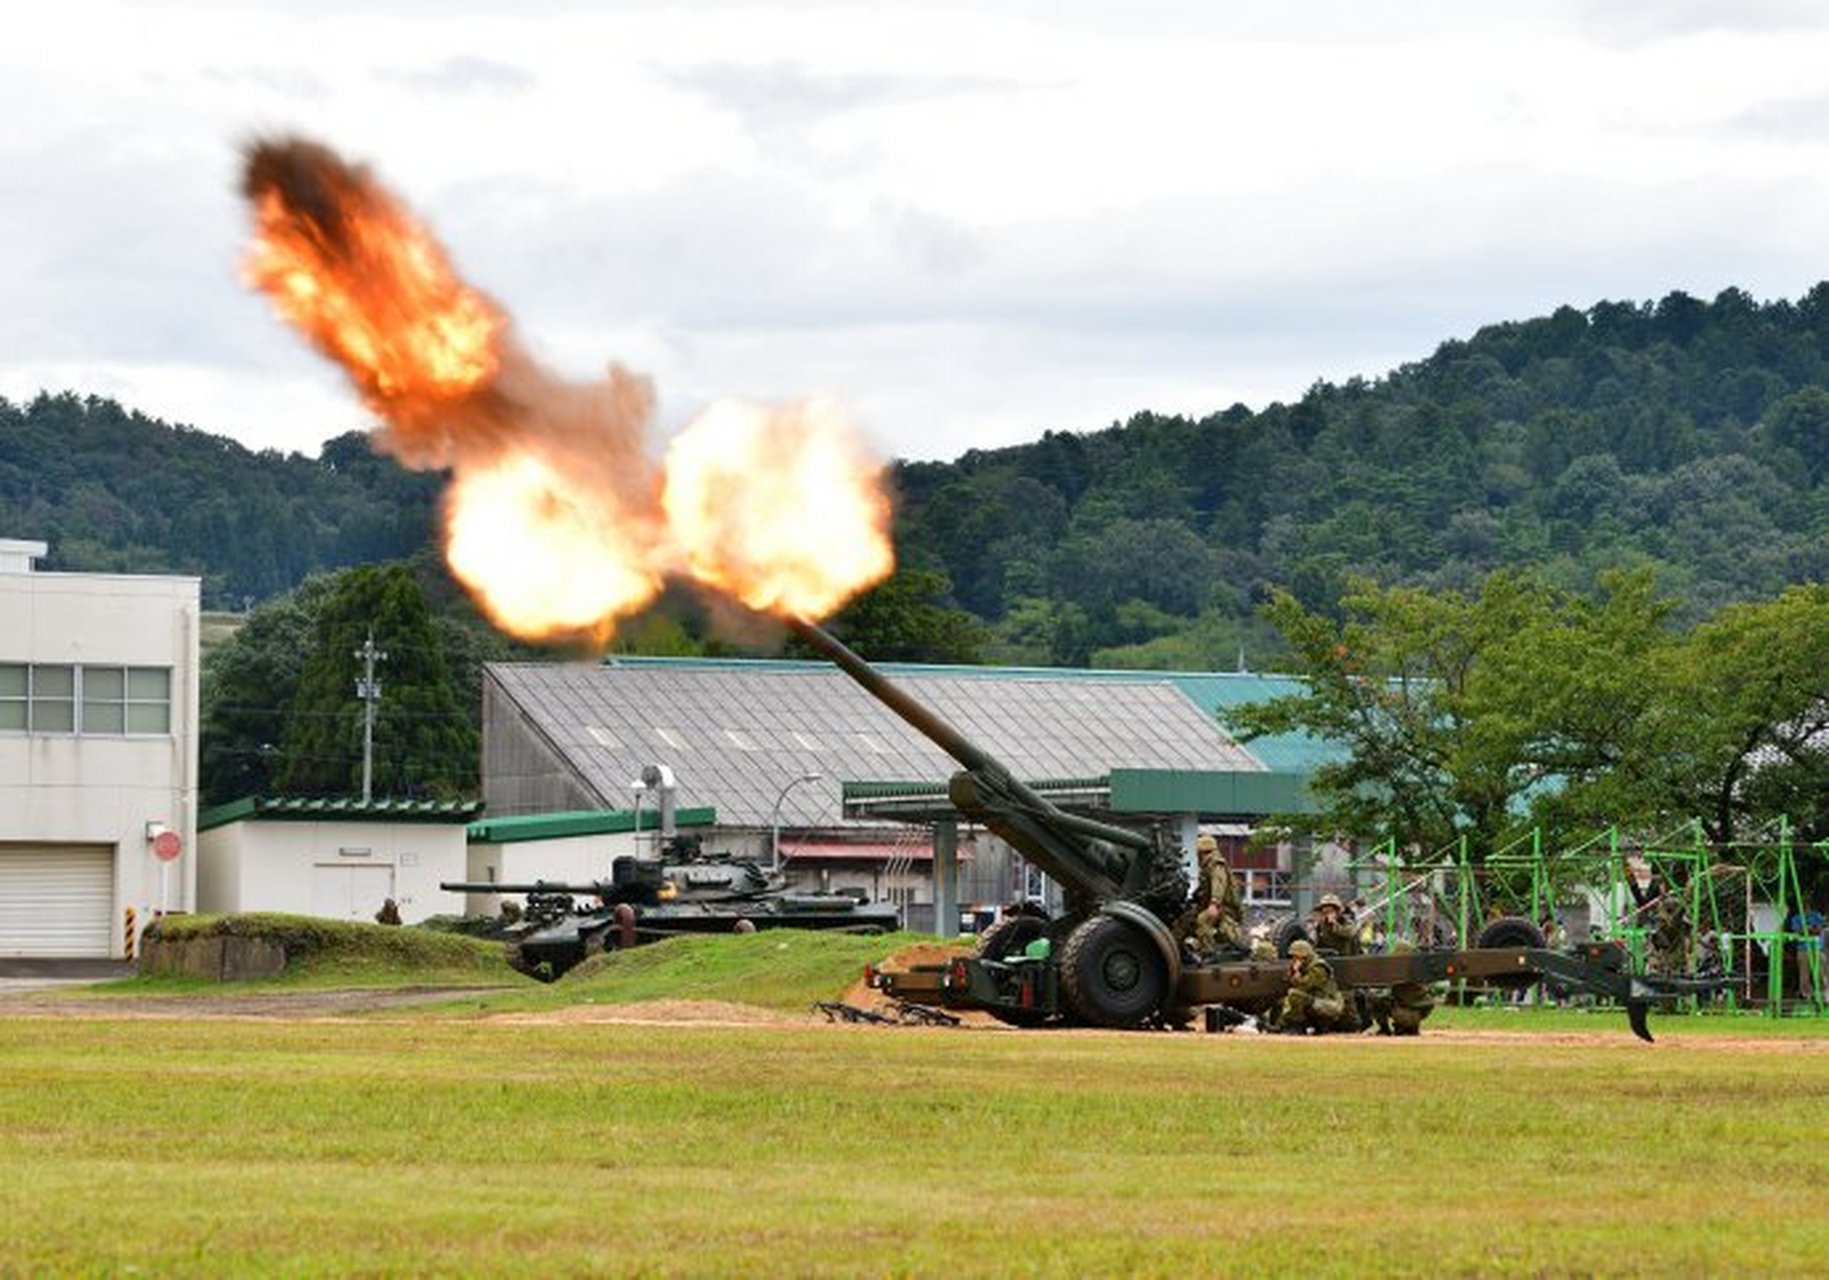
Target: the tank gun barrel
pixel 538 886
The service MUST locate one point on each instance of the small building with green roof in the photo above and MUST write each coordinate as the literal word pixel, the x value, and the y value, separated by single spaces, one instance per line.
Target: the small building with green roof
pixel 341 858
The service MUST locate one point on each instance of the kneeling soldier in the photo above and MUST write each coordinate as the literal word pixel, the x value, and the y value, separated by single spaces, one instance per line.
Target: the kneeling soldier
pixel 1314 1001
pixel 1401 1010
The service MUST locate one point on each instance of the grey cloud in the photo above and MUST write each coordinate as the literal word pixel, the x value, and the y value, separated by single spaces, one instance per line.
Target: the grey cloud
pixel 129 259
pixel 287 82
pixel 787 95
pixel 462 74
pixel 1805 119
pixel 1631 25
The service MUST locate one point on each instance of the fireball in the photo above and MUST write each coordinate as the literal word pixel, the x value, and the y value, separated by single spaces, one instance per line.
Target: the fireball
pixel 779 508
pixel 558 519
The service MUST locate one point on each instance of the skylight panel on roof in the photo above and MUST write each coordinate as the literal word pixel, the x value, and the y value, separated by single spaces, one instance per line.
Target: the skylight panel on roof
pixel 740 740
pixel 603 737
pixel 669 737
pixel 806 740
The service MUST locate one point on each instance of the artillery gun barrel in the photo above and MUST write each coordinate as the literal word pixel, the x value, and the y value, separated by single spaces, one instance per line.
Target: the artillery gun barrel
pixel 1081 852
pixel 961 748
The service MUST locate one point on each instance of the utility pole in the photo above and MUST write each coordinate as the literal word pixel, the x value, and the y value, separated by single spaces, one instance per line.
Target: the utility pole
pixel 369 690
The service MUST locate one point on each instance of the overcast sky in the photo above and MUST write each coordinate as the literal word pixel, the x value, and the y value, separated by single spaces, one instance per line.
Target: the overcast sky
pixel 971 222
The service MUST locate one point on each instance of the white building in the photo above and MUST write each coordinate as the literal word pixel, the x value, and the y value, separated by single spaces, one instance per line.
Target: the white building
pixel 336 858
pixel 98 753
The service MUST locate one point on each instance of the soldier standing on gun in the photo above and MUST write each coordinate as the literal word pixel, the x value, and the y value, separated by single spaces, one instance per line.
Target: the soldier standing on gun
pixel 1219 911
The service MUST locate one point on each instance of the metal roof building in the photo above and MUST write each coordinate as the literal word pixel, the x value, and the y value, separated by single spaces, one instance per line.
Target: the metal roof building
pixel 796 746
pixel 736 733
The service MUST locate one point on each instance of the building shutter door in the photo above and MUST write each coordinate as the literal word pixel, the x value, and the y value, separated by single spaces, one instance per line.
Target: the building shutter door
pixel 56 900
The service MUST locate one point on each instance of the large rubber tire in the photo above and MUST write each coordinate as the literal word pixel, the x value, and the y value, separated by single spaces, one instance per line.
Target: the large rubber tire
pixel 1009 936
pixel 1287 932
pixel 1112 974
pixel 1511 931
pixel 1003 939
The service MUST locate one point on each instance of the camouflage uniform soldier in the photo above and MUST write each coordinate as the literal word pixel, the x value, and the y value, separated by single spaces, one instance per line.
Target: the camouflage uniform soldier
pixel 1219 912
pixel 1401 1010
pixel 1333 930
pixel 1314 1001
pixel 1669 937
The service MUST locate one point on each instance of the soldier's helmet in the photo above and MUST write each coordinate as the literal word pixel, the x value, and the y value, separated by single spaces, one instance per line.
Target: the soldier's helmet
pixel 1401 947
pixel 1329 900
pixel 1205 845
pixel 1302 949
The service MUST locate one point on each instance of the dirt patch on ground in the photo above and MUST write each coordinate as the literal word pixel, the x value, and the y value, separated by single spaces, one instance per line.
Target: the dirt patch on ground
pixel 1589 1039
pixel 860 995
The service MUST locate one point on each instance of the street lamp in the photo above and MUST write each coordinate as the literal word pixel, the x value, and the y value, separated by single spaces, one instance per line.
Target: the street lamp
pixel 774 818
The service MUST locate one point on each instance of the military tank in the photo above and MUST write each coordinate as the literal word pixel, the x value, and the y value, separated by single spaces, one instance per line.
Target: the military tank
pixel 684 890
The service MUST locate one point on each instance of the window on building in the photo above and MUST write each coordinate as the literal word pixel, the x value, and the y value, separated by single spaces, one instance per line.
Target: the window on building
pixel 112 701
pixel 1267 889
pixel 53 699
pixel 148 700
pixel 14 705
pixel 104 700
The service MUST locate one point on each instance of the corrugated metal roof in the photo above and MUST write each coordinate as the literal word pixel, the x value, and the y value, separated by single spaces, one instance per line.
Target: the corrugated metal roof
pixel 737 734
pixel 1214 692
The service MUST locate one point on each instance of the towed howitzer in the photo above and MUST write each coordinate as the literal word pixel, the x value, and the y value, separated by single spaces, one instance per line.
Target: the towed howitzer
pixel 1113 958
pixel 645 899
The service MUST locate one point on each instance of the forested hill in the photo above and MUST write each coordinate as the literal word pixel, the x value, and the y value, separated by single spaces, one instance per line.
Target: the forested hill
pixel 1689 435
pixel 116 491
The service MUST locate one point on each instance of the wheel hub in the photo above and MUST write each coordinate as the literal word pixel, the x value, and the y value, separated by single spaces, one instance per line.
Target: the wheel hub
pixel 1121 971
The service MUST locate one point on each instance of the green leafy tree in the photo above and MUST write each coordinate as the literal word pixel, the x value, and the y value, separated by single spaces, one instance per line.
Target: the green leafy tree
pixel 1801 421
pixel 1457 710
pixel 1735 730
pixel 425 742
pixel 249 683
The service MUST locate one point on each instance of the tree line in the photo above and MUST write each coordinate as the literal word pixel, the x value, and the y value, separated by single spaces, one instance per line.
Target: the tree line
pixel 1475 712
pixel 1687 437
pixel 115 491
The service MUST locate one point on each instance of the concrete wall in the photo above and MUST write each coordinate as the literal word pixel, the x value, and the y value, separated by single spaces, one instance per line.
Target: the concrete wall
pixel 338 870
pixel 97 789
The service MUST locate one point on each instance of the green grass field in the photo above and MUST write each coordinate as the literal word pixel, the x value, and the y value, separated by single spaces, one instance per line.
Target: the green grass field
pixel 412 1143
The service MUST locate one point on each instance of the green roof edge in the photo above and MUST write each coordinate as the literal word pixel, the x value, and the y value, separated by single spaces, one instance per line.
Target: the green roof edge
pixel 580 822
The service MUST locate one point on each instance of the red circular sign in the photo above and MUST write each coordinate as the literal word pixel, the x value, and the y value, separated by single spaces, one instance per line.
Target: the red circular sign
pixel 166 846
